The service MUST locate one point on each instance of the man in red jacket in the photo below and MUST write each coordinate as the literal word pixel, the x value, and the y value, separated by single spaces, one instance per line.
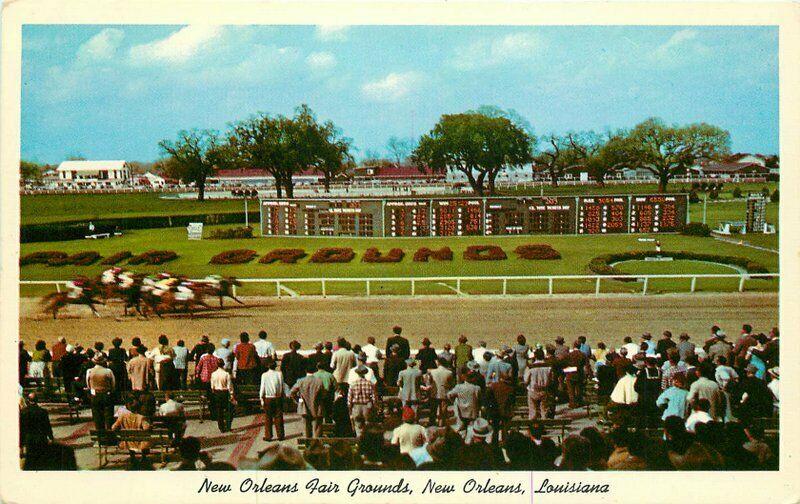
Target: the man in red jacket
pixel 246 361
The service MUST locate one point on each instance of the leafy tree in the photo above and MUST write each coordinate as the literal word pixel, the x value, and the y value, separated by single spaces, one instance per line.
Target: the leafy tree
pixel 475 144
pixel 667 151
pixel 400 148
pixel 30 172
pixel 612 156
pixel 195 155
pixel 256 143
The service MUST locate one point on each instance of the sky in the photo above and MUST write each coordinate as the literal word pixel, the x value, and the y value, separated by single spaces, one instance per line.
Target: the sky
pixel 113 92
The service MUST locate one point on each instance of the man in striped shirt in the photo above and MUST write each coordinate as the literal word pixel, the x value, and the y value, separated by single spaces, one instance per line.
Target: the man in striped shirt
pixel 361 399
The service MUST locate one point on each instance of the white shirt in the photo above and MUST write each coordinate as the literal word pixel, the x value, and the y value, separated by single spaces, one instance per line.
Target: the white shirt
pixel 221 380
pixel 181 354
pixel 624 392
pixel 697 417
pixel 271 384
pixel 372 352
pixel 725 374
pixel 171 408
pixel 408 436
pixel 264 348
pixel 632 349
pixel 353 377
pixel 773 386
pixel 477 354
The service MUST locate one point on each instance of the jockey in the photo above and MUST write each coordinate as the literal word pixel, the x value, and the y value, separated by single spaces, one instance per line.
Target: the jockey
pixel 149 283
pixel 125 279
pixel 184 291
pixel 110 276
pixel 165 284
pixel 76 288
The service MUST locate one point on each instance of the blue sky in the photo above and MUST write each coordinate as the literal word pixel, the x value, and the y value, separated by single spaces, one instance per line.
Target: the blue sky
pixel 112 92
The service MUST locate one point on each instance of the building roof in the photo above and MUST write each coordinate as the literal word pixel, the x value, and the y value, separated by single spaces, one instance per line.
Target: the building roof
pixel 406 171
pixel 84 165
pixel 718 167
pixel 260 173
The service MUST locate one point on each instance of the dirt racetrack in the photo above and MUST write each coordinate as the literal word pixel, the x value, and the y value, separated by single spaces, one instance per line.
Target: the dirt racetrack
pixel 442 319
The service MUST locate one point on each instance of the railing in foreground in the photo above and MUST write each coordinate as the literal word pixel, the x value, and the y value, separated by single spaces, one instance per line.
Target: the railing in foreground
pixel 282 284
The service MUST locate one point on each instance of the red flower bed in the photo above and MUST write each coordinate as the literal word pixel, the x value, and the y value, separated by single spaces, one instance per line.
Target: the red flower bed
pixel 79 259
pixel 373 255
pixel 333 255
pixel 153 257
pixel 117 258
pixel 484 253
pixel 443 254
pixel 286 256
pixel 42 257
pixel 239 256
pixel 540 251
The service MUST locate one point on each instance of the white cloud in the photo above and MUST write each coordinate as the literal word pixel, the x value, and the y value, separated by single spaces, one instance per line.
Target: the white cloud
pixel 392 87
pixel 681 43
pixel 331 33
pixel 487 52
pixel 178 47
pixel 321 61
pixel 102 46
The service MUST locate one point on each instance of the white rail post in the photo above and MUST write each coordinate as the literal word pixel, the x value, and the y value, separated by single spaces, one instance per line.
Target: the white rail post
pixel 741 283
pixel 324 294
pixel 550 286
pixel 278 287
pixel 597 287
pixel 233 290
pixel 58 287
pixel 458 285
pixel 413 287
pixel 644 287
pixel 367 287
pixel 694 284
pixel 505 286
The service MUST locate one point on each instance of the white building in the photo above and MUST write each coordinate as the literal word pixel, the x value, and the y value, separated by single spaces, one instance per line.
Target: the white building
pixel 90 174
pixel 511 175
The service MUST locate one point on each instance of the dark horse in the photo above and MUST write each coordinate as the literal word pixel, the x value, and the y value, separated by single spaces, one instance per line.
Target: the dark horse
pixel 57 300
pixel 131 297
pixel 223 289
pixel 167 302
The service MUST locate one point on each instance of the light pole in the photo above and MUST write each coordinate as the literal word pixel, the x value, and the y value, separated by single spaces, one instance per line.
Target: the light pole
pixel 245 193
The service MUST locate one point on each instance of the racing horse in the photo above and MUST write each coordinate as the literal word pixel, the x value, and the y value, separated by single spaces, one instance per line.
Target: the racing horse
pixel 131 296
pixel 55 301
pixel 169 302
pixel 222 288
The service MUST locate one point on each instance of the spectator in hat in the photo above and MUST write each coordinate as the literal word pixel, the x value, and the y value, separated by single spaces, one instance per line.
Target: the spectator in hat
pixel 648 388
pixel 293 365
pixel 561 350
pixel 664 344
pixel 685 347
pixel 342 361
pixel 521 351
pixel 410 380
pixel 309 392
pixel 498 367
pixel 361 399
pixel 479 454
pixel 756 398
pixel 393 365
pixel 426 356
pixel 719 348
pixel 624 397
pixel 35 430
pixel 341 413
pixel 575 376
pixel 271 396
pixel 352 376
pixel 400 341
pixel 724 374
pixel 318 356
pixel 672 366
pixel 197 351
pixel 246 363
pixel 408 435
pixel 647 339
pixel 101 385
pixel 448 357
pixel 463 353
pixel 280 457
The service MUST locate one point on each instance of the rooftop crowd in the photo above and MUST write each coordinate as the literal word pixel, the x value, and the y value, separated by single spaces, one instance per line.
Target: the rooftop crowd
pixel 664 404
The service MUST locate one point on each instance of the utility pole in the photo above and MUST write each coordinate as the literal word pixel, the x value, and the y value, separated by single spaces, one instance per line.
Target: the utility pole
pixel 705 201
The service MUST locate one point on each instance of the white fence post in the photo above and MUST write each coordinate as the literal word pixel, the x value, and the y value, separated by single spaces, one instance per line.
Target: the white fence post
pixel 644 287
pixel 505 286
pixel 58 287
pixel 550 286
pixel 233 290
pixel 458 285
pixel 694 284
pixel 413 287
pixel 278 287
pixel 367 287
pixel 597 287
pixel 741 283
pixel 324 294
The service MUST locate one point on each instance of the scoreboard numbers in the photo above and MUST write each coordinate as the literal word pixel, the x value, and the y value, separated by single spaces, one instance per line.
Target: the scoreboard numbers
pixel 650 213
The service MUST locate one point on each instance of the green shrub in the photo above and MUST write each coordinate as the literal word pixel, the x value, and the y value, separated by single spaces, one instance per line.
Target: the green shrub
pixel 737 193
pixel 693 197
pixel 765 191
pixel 232 233
pixel 153 257
pixel 42 257
pixel 239 256
pixel 713 194
pixel 601 265
pixel 117 258
pixel 286 256
pixel 775 196
pixel 696 229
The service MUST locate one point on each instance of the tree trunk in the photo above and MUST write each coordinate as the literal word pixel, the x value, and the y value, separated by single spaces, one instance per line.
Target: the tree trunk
pixel 601 179
pixel 327 182
pixel 491 184
pixel 289 187
pixel 663 179
pixel 553 178
pixel 201 189
pixel 278 186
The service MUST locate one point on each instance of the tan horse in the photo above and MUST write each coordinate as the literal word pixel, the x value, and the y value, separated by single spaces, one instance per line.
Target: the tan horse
pixel 55 301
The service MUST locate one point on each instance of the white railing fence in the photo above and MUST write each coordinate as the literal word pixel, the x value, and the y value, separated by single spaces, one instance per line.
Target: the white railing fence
pixel 281 285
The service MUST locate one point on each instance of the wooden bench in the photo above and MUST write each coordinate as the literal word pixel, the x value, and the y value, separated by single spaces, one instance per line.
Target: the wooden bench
pixel 159 440
pixel 247 396
pixel 54 396
pixel 548 425
pixel 189 397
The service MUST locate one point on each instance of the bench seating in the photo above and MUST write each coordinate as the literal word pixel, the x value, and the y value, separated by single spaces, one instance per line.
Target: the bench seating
pixel 159 440
pixel 189 397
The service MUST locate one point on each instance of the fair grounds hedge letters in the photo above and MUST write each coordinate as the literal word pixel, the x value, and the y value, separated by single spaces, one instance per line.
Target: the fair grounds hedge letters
pixel 369 218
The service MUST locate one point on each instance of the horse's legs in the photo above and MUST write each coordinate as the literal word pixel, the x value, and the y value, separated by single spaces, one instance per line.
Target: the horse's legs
pixel 94 310
pixel 220 301
pixel 237 300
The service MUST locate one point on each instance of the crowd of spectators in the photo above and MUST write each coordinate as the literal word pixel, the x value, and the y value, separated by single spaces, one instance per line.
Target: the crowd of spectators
pixel 664 404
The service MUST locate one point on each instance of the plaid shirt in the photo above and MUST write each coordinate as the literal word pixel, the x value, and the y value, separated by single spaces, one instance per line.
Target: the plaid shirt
pixel 206 366
pixel 361 392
